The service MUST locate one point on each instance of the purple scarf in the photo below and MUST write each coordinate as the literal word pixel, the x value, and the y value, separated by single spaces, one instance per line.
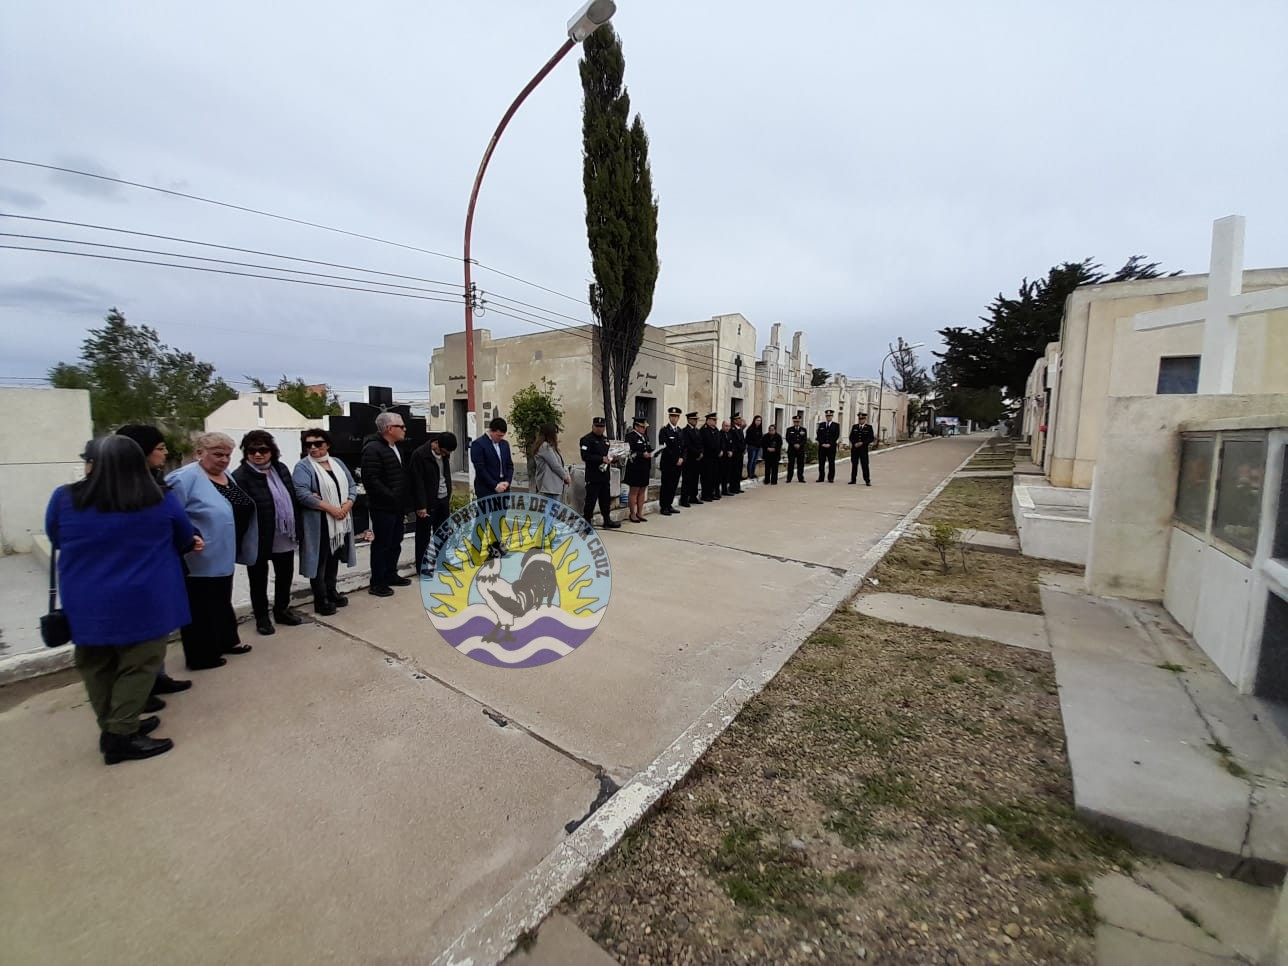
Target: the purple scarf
pixel 283 507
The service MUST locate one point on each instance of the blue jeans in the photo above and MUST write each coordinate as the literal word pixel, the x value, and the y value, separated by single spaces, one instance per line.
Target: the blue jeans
pixel 753 457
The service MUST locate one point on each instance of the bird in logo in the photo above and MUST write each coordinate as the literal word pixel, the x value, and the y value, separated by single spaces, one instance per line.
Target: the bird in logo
pixel 537 586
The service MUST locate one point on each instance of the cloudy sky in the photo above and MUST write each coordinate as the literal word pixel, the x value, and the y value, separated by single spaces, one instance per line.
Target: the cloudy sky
pixel 859 171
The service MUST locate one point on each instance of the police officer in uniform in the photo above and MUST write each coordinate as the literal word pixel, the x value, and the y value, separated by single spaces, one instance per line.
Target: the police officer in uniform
pixel 861 438
pixel 594 453
pixel 712 459
pixel 669 441
pixel 828 435
pixel 738 451
pixel 639 468
pixel 692 471
pixel 796 437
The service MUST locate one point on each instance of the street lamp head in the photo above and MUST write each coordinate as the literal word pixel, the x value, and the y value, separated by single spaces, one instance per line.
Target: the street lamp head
pixel 916 345
pixel 590 18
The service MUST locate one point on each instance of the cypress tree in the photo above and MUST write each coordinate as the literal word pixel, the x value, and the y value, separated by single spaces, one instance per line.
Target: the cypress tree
pixel 621 218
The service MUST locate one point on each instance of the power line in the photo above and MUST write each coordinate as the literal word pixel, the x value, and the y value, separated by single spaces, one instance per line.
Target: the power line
pixel 230 248
pixel 223 261
pixel 221 271
pixel 279 217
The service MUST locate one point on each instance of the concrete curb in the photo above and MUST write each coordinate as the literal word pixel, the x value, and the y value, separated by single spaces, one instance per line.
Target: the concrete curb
pixel 535 896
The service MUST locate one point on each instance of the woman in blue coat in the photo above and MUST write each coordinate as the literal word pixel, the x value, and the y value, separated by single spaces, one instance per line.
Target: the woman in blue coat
pixel 119 537
pixel 326 489
pixel 224 513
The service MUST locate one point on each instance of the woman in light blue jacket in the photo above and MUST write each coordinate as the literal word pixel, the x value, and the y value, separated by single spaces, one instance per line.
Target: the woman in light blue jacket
pixel 326 489
pixel 224 514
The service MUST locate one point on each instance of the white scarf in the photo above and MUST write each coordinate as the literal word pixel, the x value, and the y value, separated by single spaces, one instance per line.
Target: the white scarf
pixel 337 530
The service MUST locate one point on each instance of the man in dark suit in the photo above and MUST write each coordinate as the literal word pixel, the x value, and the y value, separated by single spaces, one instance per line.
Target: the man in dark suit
pixel 796 435
pixel 388 487
pixel 828 435
pixel 692 472
pixel 861 438
pixel 669 436
pixel 712 459
pixel 431 484
pixel 493 467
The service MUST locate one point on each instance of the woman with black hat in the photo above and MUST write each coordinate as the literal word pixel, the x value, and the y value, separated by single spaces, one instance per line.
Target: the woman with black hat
pixel 639 467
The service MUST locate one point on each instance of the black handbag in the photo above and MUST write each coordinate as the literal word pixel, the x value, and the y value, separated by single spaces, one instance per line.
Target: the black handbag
pixel 54 629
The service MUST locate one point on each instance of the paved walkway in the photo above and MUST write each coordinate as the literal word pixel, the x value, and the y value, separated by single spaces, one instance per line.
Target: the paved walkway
pixel 355 791
pixel 1003 626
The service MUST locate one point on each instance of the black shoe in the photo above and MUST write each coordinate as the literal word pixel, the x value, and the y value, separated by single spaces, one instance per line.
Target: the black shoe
pixel 380 591
pixel 867 483
pixel 396 581
pixel 218 662
pixel 695 503
pixel 165 684
pixel 611 525
pixel 852 482
pixel 119 748
pixel 265 626
pixel 667 513
pixel 682 503
pixel 288 617
pixel 324 609
pixel 146 727
pixel 153 703
pixel 238 649
pixel 339 600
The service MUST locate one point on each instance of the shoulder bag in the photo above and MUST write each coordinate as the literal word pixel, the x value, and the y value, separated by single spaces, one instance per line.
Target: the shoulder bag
pixel 54 629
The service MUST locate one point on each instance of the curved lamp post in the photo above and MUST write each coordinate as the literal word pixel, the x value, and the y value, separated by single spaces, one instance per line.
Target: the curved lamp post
pixel 584 22
pixel 881 391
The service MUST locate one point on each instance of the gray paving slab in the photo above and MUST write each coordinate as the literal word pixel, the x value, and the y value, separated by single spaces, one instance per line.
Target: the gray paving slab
pixel 560 942
pixel 1145 758
pixel 1004 627
pixel 984 540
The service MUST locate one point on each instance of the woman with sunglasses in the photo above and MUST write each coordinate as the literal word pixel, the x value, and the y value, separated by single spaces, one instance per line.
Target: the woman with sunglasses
pixel 263 475
pixel 326 489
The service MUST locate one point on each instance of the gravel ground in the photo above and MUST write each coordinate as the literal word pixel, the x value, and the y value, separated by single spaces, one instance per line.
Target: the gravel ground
pixel 994 580
pixel 894 796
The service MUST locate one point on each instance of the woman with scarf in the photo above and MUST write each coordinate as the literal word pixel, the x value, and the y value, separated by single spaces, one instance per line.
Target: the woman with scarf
pixel 326 489
pixel 266 479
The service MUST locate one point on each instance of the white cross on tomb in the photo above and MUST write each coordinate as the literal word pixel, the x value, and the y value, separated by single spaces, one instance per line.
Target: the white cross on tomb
pixel 1226 302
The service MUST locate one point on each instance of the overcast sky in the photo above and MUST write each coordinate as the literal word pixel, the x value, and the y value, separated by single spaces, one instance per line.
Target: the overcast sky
pixel 862 172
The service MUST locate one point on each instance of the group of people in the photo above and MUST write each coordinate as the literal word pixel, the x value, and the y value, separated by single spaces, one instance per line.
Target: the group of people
pixel 141 553
pixel 705 463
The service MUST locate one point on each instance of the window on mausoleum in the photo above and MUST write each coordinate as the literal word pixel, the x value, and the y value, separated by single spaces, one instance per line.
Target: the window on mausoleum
pixel 1238 493
pixel 1195 484
pixel 1178 375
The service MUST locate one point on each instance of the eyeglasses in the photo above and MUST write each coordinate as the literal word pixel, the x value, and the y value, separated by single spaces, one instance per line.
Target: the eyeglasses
pixel 397 426
pixel 315 443
pixel 258 450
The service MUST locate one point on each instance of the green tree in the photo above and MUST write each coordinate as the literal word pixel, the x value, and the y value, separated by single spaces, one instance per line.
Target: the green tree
pixel 1000 354
pixel 819 376
pixel 531 408
pixel 300 395
pixel 132 377
pixel 621 218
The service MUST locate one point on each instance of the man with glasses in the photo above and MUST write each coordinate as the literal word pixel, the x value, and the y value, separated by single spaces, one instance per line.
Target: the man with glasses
pixel 388 486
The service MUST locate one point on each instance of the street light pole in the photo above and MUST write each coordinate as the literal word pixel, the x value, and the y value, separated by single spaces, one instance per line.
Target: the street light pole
pixel 583 23
pixel 881 391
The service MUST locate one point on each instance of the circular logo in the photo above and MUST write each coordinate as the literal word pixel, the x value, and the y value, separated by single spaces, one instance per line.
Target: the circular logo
pixel 516 580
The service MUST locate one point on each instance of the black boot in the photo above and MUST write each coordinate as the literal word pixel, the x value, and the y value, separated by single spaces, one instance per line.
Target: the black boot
pixel 287 617
pixel 167 685
pixel 146 727
pixel 264 625
pixel 119 748
pixel 153 703
pixel 338 599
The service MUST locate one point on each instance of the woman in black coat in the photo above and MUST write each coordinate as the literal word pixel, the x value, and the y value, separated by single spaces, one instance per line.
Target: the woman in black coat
pixel 263 475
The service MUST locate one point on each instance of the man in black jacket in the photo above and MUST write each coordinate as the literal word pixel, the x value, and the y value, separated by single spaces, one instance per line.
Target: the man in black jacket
pixel 388 486
pixel 669 440
pixel 712 459
pixel 738 452
pixel 431 483
pixel 692 473
pixel 861 437
pixel 594 454
pixel 797 436
pixel 828 435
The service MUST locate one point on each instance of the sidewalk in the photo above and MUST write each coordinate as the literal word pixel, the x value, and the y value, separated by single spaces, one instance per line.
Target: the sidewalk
pixel 355 791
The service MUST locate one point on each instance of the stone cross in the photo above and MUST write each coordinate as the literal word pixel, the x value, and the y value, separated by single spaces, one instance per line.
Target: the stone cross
pixel 1226 302
pixel 261 404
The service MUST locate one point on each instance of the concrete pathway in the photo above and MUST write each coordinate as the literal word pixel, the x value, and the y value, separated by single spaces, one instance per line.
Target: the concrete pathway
pixel 1002 626
pixel 1166 915
pixel 356 791
pixel 1161 746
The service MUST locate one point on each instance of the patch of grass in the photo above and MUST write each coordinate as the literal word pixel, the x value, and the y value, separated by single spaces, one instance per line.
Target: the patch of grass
pixel 957 678
pixel 1219 746
pixel 994 676
pixel 1174 668
pixel 850 881
pixel 859 727
pixel 1047 828
pixel 1082 906
pixel 758 876
pixel 888 788
pixel 824 637
pixel 1021 824
pixel 974 505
